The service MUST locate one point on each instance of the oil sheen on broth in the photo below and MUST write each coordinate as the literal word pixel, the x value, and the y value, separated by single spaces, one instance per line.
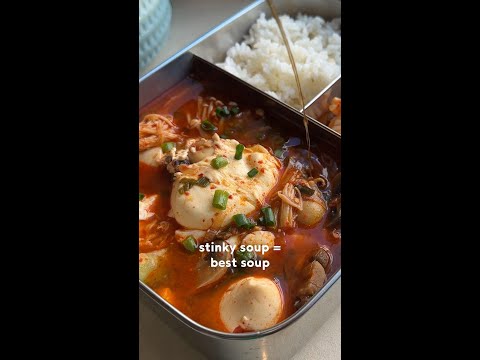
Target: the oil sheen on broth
pixel 179 175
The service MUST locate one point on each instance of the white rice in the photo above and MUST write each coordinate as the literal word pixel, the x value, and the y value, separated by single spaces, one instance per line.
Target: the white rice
pixel 262 59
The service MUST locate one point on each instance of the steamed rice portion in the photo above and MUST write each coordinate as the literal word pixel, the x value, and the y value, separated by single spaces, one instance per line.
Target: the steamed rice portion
pixel 262 59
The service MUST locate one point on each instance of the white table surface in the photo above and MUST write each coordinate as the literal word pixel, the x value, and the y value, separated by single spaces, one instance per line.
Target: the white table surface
pixel 190 20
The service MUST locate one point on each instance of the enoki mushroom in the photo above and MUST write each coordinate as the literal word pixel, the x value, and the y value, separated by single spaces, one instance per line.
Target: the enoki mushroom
pixel 157 232
pixel 206 109
pixel 155 129
pixel 291 199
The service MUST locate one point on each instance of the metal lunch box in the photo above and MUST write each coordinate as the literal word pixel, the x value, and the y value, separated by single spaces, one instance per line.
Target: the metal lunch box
pixel 286 338
pixel 319 104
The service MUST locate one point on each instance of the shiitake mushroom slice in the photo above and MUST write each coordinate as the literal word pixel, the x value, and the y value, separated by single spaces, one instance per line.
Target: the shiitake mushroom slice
pixel 207 275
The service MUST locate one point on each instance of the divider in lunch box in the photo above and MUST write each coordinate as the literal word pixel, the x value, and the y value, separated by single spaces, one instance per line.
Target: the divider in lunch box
pixel 214 47
pixel 319 104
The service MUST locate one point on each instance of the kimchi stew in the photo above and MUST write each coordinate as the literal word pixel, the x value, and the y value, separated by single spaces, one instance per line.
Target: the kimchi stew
pixel 216 173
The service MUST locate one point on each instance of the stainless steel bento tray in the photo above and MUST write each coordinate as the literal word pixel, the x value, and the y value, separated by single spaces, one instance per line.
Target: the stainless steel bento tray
pixel 287 337
pixel 214 45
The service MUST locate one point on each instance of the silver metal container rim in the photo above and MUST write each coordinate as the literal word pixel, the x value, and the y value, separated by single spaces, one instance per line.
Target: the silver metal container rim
pixel 318 96
pixel 239 336
pixel 303 310
pixel 322 92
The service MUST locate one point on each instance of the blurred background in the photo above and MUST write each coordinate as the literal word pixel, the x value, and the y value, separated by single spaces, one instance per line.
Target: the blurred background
pixel 168 26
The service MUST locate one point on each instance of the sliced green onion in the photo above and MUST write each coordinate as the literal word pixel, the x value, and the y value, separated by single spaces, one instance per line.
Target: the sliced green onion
pixel 261 220
pixel 220 199
pixel 188 181
pixel 222 111
pixel 251 224
pixel 167 146
pixel 208 126
pixel 279 153
pixel 203 182
pixel 239 151
pixel 269 218
pixel 190 243
pixel 187 185
pixel 305 190
pixel 241 220
pixel 252 173
pixel 140 196
pixel 235 110
pixel 244 255
pixel 219 162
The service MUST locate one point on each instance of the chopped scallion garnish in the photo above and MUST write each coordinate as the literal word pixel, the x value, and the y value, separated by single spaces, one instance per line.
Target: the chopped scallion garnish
pixel 235 110
pixel 244 255
pixel 252 173
pixel 279 153
pixel 190 243
pixel 208 126
pixel 243 222
pixel 222 111
pixel 167 146
pixel 269 218
pixel 239 151
pixel 187 184
pixel 220 199
pixel 203 182
pixel 219 162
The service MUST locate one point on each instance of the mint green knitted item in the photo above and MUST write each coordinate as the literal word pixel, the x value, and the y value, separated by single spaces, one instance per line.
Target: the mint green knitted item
pixel 154 24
